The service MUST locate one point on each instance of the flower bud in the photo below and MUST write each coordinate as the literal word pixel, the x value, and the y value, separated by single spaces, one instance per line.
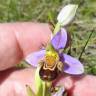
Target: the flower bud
pixel 67 14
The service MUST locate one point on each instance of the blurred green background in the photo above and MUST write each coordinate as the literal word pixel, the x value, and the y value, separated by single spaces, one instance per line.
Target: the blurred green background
pixel 80 28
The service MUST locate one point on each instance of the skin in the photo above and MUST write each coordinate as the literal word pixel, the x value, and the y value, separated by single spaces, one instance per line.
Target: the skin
pixel 17 40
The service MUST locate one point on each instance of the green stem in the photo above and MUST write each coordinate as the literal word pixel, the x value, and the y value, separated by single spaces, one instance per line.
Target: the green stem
pixel 86 44
pixel 57 28
pixel 46 87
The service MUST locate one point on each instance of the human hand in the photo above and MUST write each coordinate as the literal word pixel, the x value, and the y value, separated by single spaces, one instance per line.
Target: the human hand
pixel 17 40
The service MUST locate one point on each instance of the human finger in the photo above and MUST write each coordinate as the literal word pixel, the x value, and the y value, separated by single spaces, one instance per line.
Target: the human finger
pixel 13 81
pixel 19 39
pixel 78 85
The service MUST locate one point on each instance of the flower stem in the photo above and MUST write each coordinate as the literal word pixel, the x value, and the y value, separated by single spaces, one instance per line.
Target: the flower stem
pixel 86 44
pixel 57 28
pixel 46 87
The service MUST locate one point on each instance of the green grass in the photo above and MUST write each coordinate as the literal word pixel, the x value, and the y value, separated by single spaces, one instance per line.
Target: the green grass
pixel 80 28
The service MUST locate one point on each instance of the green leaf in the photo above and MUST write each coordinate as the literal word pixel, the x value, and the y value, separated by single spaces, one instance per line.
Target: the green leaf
pixel 29 91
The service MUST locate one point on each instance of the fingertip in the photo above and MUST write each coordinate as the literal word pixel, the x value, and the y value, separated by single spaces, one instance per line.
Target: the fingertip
pixel 32 36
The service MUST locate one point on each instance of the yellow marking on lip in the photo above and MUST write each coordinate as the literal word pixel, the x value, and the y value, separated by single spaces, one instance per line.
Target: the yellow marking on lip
pixel 51 58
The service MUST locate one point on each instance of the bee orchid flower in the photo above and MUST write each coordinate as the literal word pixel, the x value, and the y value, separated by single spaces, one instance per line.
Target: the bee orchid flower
pixel 71 65
pixel 52 60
